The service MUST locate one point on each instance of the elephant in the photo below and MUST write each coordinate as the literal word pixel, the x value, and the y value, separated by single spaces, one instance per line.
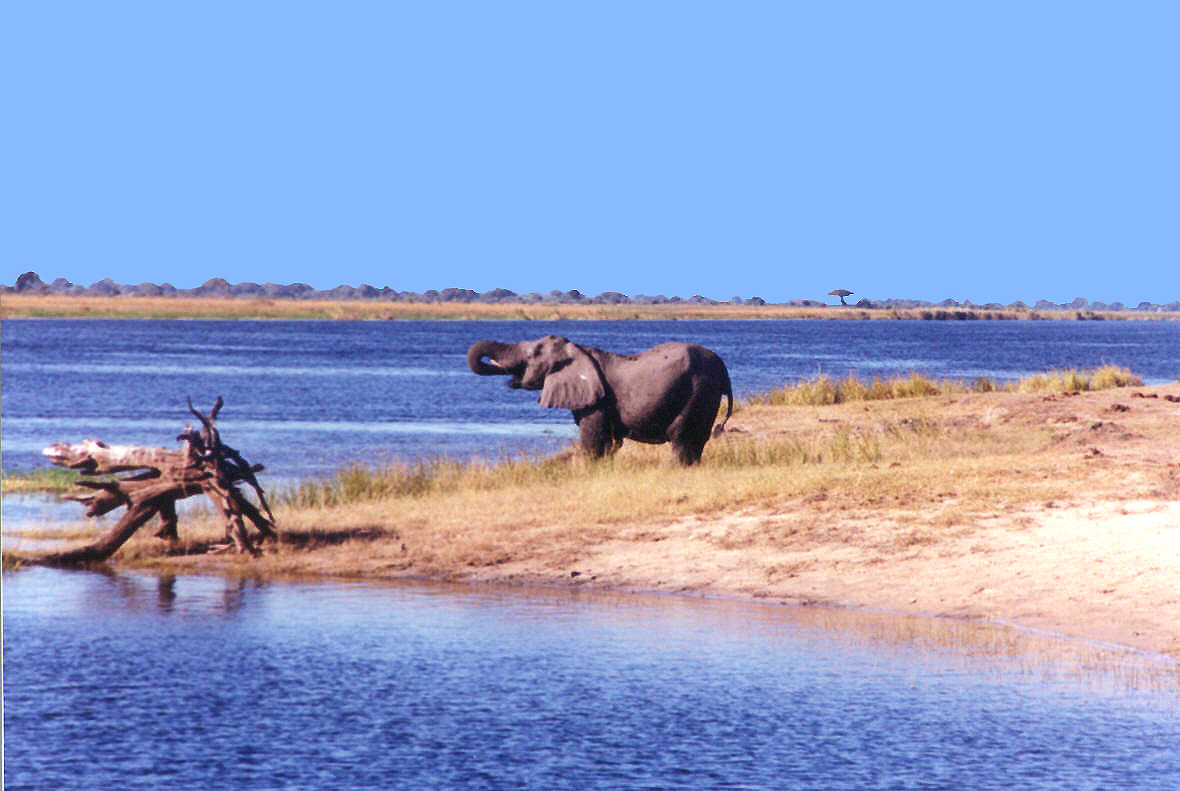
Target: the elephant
pixel 670 393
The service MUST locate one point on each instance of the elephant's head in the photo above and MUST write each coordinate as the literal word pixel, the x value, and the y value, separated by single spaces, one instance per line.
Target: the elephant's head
pixel 565 374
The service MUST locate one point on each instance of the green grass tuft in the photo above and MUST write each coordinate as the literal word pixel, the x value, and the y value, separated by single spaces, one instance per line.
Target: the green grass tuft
pixel 53 480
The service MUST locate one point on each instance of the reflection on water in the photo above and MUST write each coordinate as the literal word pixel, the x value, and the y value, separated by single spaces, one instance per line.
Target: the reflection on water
pixel 135 681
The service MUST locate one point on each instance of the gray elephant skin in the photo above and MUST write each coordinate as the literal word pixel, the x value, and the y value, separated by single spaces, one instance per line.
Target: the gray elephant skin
pixel 670 393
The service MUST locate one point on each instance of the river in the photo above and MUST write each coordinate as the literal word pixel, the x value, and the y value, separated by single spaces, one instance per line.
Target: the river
pixel 131 681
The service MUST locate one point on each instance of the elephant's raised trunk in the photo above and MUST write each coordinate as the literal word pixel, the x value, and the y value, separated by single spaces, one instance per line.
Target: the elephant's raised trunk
pixel 489 349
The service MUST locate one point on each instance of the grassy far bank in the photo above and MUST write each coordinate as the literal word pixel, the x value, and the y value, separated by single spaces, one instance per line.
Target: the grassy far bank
pixel 58 306
pixel 1027 504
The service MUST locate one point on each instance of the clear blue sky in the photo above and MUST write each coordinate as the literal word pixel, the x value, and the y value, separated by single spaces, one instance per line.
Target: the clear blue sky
pixel 990 151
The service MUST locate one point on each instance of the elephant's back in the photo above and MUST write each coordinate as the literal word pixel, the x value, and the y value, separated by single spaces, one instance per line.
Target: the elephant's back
pixel 664 371
pixel 691 352
pixel 695 358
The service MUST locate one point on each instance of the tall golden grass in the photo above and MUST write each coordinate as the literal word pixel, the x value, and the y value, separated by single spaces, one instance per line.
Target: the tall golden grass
pixel 1074 380
pixel 421 479
pixel 825 390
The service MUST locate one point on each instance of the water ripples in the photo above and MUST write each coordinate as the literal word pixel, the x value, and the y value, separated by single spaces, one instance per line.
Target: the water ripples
pixel 364 686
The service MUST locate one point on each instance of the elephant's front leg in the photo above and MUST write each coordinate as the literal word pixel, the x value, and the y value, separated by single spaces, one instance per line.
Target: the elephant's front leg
pixel 596 433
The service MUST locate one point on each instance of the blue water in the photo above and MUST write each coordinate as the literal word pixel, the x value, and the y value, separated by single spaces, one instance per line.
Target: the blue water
pixel 132 681
pixel 306 397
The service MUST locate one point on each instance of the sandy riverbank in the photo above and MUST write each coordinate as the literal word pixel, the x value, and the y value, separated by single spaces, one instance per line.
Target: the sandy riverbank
pixel 1106 571
pixel 1054 511
pixel 1101 563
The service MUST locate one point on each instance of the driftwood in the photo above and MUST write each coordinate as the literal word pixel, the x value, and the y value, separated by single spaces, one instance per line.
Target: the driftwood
pixel 205 465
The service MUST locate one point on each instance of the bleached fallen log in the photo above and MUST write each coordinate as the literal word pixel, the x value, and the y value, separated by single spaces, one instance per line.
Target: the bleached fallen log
pixel 91 457
pixel 205 465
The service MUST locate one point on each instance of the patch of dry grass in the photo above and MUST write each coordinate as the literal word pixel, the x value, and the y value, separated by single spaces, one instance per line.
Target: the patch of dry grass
pixel 1075 381
pixel 825 390
pixel 80 531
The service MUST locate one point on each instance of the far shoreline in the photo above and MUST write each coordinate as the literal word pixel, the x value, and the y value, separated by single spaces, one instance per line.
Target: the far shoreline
pixel 16 305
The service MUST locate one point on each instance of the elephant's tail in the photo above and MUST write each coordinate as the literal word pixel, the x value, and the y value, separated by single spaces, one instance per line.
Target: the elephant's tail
pixel 719 429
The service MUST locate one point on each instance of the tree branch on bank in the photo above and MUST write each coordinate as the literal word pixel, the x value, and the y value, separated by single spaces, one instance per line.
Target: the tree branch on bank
pixel 161 478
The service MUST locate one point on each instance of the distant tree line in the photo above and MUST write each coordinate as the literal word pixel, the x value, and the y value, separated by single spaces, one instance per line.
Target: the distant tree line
pixel 31 283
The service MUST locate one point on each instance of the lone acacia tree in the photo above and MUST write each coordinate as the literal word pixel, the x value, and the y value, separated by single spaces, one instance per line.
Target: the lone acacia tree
pixel 841 293
pixel 205 465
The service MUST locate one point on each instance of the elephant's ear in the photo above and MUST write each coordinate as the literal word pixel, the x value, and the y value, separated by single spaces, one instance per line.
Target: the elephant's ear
pixel 574 382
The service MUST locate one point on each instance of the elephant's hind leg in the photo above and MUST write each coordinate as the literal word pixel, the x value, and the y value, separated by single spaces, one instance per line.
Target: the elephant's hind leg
pixel 688 442
pixel 692 428
pixel 688 453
